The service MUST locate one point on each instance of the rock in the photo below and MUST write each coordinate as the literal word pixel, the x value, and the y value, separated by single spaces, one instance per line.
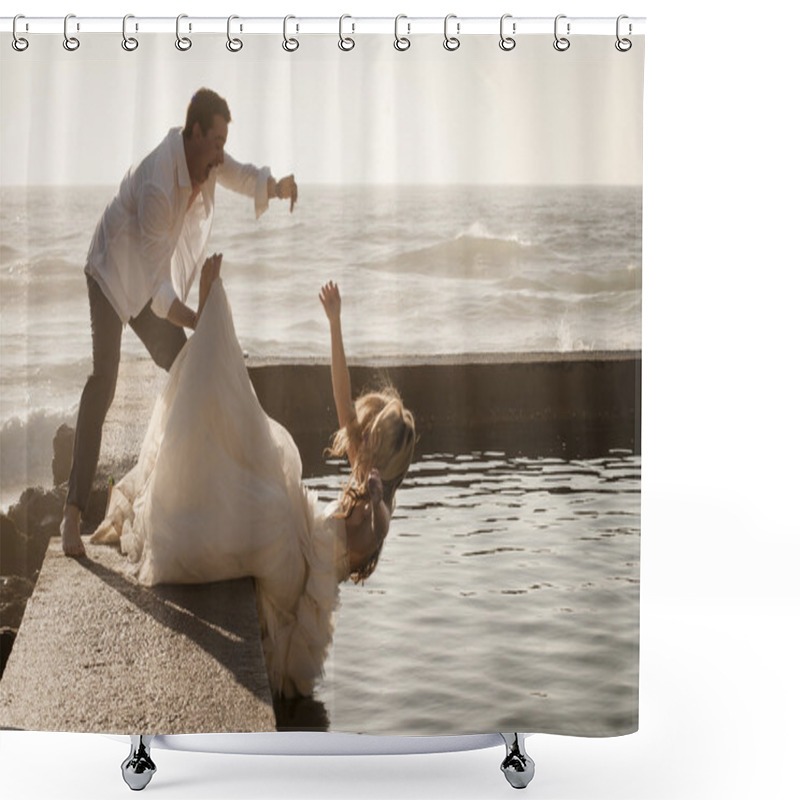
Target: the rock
pixel 13 548
pixel 7 638
pixel 38 514
pixel 38 510
pixel 14 594
pixel 62 453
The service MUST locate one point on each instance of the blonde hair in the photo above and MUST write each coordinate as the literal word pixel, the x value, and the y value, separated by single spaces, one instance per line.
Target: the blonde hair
pixel 383 436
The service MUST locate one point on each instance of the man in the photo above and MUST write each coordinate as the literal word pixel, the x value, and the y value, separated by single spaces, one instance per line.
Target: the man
pixel 142 262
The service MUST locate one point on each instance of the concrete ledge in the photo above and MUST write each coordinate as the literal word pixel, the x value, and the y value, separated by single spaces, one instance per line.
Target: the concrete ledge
pixel 566 405
pixel 562 405
pixel 98 653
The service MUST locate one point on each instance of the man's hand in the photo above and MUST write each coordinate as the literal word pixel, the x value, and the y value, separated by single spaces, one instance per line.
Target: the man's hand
pixel 285 189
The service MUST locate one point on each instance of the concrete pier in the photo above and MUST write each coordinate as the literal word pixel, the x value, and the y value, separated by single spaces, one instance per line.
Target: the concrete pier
pixel 98 653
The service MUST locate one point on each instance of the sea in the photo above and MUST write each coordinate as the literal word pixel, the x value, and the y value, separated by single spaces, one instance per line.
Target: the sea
pixel 506 599
pixel 507 595
pixel 423 271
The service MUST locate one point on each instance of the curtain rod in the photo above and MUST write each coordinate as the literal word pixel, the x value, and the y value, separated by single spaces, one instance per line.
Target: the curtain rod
pixel 332 25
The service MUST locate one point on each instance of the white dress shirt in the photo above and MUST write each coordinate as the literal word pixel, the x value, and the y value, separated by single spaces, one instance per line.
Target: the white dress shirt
pixel 148 244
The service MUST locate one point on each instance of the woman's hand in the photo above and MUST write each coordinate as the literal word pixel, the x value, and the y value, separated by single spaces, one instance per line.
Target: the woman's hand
pixel 211 269
pixel 340 375
pixel 331 301
pixel 208 275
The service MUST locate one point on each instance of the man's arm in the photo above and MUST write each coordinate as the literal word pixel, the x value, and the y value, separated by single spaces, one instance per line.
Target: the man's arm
pixel 257 183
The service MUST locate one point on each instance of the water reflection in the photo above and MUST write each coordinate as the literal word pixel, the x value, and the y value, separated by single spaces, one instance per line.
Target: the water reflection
pixel 495 565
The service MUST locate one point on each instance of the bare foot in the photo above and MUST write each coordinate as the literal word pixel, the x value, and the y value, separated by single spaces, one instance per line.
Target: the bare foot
pixel 71 541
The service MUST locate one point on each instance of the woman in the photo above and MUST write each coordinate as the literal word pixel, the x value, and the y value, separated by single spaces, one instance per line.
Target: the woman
pixel 376 433
pixel 217 491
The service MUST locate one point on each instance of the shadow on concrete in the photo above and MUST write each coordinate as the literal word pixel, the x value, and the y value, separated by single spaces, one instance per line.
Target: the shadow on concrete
pixel 210 614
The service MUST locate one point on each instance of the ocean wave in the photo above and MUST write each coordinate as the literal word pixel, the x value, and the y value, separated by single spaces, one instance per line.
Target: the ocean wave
pixel 599 281
pixel 468 255
pixel 26 448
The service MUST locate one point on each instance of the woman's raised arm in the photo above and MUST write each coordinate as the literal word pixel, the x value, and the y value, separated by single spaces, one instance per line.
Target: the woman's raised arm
pixel 340 375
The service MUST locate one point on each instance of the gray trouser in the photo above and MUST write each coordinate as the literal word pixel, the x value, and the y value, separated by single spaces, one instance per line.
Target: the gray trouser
pixel 163 341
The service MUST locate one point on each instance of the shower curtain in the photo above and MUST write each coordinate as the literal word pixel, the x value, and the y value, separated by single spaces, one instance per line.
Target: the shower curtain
pixel 478 208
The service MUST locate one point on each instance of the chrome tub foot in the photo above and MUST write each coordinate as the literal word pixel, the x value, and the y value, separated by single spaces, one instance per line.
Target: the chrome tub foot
pixel 138 768
pixel 518 766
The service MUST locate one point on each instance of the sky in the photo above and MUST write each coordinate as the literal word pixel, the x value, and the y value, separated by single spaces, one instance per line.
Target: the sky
pixel 372 115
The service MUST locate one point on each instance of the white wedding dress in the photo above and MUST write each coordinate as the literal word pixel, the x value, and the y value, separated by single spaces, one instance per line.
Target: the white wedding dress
pixel 217 494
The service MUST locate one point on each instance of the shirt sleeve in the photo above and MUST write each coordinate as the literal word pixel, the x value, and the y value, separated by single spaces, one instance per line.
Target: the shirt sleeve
pixel 163 299
pixel 246 179
pixel 155 227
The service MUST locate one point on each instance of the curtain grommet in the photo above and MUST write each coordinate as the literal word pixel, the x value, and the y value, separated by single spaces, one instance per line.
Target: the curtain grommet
pixel 451 43
pixel 346 43
pixel 623 44
pixel 561 43
pixel 129 43
pixel 234 44
pixel 289 44
pixel 71 43
pixel 19 43
pixel 401 43
pixel 507 43
pixel 183 43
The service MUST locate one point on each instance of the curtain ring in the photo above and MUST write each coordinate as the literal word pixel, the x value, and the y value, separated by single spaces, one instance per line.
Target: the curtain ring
pixel 507 42
pixel 623 45
pixel 129 43
pixel 451 42
pixel 183 43
pixel 18 42
pixel 289 45
pixel 561 43
pixel 346 43
pixel 234 44
pixel 401 42
pixel 70 42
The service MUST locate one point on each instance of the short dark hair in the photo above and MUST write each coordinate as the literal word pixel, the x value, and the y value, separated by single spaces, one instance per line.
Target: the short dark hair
pixel 204 106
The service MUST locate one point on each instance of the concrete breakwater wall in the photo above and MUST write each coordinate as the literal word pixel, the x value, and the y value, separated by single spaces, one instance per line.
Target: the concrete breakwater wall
pixel 567 405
